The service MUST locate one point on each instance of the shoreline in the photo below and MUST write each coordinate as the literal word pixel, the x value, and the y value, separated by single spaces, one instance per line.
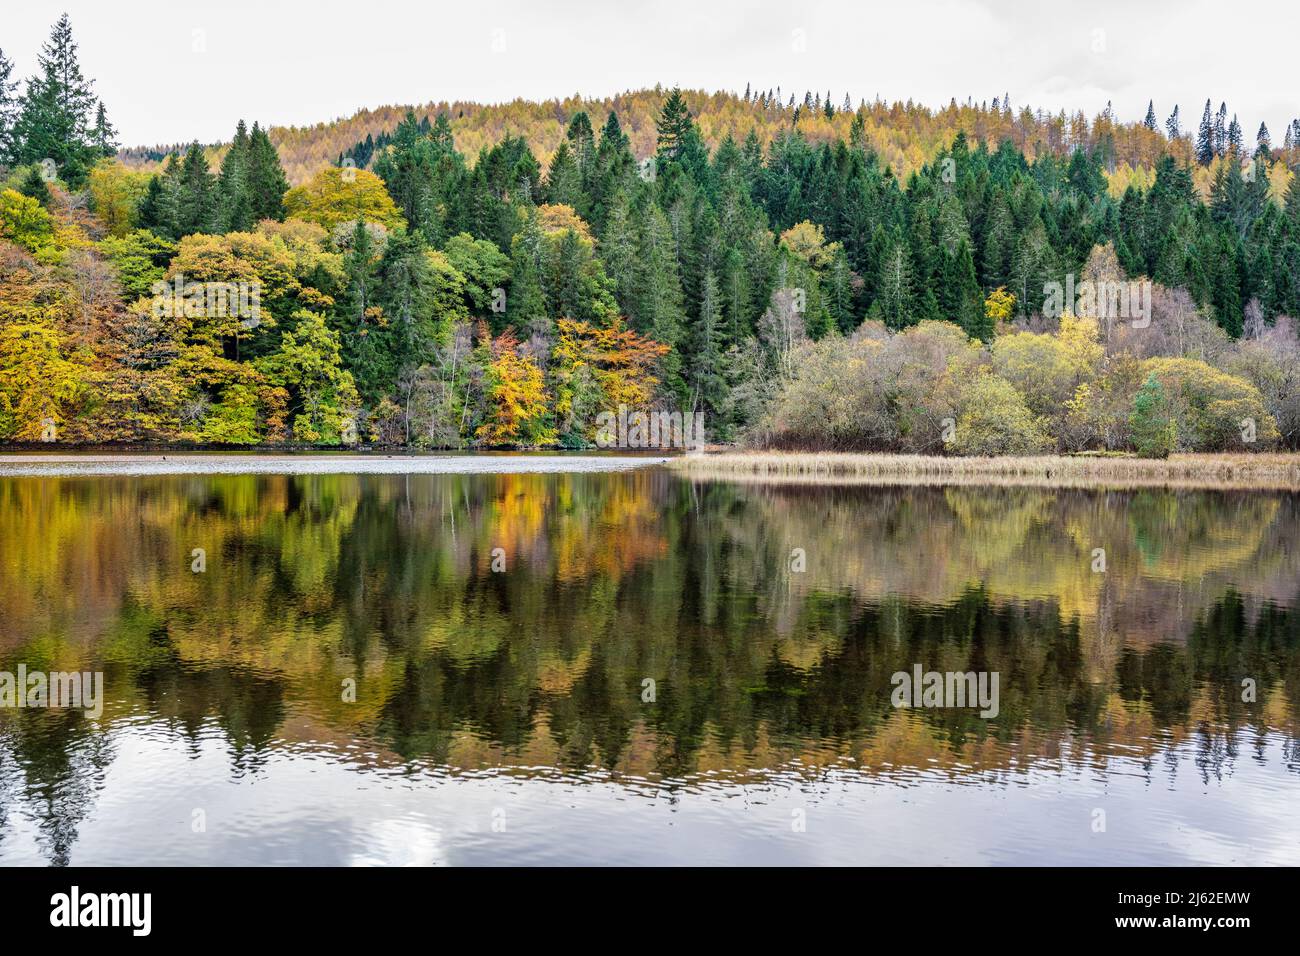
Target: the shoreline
pixel 279 463
pixel 1252 472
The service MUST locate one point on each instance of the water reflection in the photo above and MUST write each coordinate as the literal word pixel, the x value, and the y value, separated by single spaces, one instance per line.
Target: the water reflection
pixel 491 695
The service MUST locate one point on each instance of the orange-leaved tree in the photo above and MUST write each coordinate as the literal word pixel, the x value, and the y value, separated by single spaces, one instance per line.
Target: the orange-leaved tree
pixel 516 396
pixel 597 369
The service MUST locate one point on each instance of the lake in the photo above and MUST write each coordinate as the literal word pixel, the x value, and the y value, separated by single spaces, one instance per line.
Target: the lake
pixel 631 667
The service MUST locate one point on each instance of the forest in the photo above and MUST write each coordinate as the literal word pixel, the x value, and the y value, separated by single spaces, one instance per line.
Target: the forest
pixel 802 272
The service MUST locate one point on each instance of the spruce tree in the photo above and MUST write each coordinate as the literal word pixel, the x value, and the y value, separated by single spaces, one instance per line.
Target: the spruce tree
pixel 564 179
pixel 55 121
pixel 1150 121
pixel 267 183
pixel 196 206
pixel 708 381
pixel 1171 125
pixel 8 108
pixel 674 126
pixel 34 187
pixel 235 205
pixel 1235 138
pixel 103 136
pixel 658 295
pixel 1153 431
pixel 1206 147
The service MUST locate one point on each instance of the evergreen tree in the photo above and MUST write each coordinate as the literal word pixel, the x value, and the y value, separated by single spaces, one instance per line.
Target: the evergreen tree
pixel 708 381
pixel 235 207
pixel 55 120
pixel 564 179
pixel 1171 125
pixel 1235 140
pixel 34 187
pixel 103 136
pixel 675 126
pixel 267 182
pixel 1154 432
pixel 526 303
pixel 8 108
pixel 1206 145
pixel 658 296
pixel 1150 121
pixel 582 141
pixel 894 303
pixel 196 206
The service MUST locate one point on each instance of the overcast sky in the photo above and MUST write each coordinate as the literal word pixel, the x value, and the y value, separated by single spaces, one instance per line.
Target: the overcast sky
pixel 175 70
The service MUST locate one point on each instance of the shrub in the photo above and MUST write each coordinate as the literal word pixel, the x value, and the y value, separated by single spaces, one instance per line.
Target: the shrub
pixel 996 421
pixel 1211 409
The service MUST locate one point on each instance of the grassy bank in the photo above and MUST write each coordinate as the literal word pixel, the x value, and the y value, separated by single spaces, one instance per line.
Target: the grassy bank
pixel 1259 471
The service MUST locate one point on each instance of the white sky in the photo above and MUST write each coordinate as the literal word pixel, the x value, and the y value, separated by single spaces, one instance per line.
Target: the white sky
pixel 175 70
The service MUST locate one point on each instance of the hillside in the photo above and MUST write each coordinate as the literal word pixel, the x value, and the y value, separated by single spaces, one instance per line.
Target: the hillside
pixel 903 135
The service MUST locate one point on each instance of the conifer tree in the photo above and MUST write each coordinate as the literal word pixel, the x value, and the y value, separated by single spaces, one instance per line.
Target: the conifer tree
pixel 658 296
pixel 1206 146
pixel 103 136
pixel 196 208
pixel 55 121
pixel 708 381
pixel 1235 139
pixel 1150 121
pixel 235 207
pixel 564 179
pixel 1172 128
pixel 8 108
pixel 267 182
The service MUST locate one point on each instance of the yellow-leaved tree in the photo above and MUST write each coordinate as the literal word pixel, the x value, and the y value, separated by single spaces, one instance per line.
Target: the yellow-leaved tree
pixel 516 394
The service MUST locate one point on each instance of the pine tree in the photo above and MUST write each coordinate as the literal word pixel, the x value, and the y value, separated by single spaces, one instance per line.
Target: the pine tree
pixel 615 170
pixel 1206 145
pixel 365 349
pixel 154 213
pixel 196 210
pixel 526 302
pixel 894 304
pixel 267 183
pixel 582 140
pixel 1221 130
pixel 658 293
pixel 235 205
pixel 1171 125
pixel 1150 121
pixel 675 127
pixel 104 136
pixel 8 108
pixel 1154 432
pixel 1235 138
pixel 55 119
pixel 564 180
pixel 708 380
pixel 34 187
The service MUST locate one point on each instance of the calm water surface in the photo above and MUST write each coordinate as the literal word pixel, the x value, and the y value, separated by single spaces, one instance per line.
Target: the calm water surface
pixel 500 716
